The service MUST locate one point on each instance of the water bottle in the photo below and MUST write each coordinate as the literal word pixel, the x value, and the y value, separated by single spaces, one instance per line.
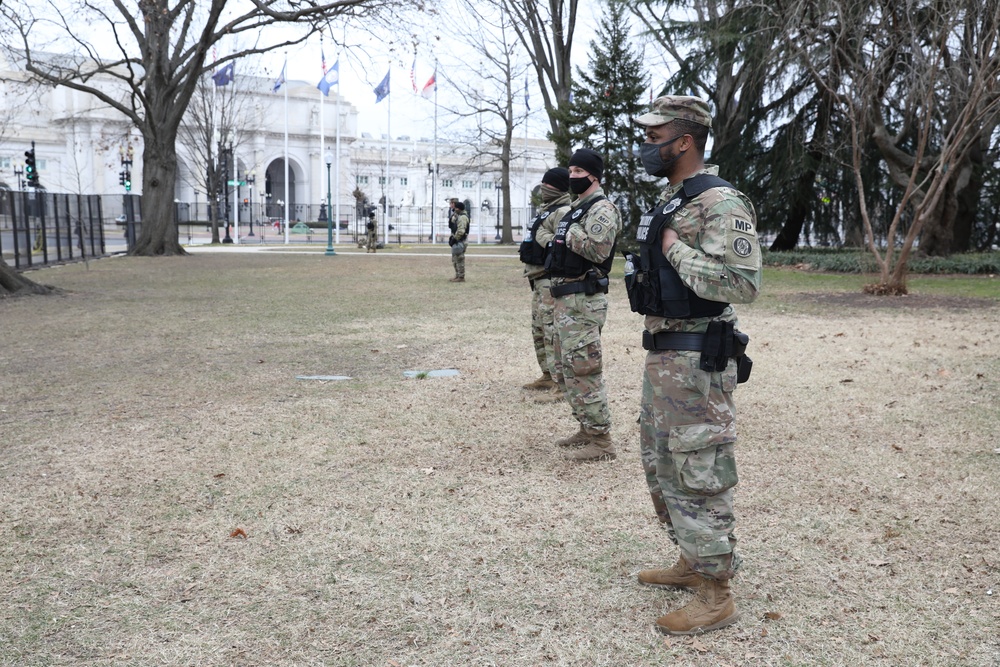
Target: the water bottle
pixel 629 266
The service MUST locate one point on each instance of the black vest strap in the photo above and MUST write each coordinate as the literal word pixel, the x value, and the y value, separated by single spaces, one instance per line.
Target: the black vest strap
pixel 661 291
pixel 562 261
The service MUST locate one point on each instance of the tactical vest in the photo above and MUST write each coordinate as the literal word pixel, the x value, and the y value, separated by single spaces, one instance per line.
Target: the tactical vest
pixel 530 252
pixel 655 288
pixel 563 262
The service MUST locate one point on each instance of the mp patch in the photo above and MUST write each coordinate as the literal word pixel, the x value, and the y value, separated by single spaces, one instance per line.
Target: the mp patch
pixel 741 225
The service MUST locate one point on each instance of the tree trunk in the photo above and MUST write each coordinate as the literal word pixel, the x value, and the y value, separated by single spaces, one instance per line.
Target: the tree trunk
pixel 159 231
pixel 13 283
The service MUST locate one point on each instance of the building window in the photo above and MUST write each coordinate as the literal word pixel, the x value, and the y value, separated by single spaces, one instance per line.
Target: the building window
pixel 404 181
pixel 4 163
pixel 487 185
pixel 468 185
pixel 381 180
pixel 447 183
pixel 362 180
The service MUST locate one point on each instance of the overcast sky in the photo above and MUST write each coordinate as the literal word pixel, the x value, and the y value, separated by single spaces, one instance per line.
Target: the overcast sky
pixel 364 65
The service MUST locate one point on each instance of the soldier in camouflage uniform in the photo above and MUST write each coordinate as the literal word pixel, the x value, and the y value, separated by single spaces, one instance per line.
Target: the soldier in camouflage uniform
pixel 458 241
pixel 580 259
pixel 699 254
pixel 372 237
pixel 555 200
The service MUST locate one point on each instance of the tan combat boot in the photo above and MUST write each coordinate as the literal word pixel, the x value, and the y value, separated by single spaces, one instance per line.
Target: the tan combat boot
pixel 711 608
pixel 553 395
pixel 578 438
pixel 544 382
pixel 456 279
pixel 598 448
pixel 680 575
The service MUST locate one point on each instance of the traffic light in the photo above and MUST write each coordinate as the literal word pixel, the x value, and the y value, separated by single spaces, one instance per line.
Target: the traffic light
pixel 128 181
pixel 30 169
pixel 121 178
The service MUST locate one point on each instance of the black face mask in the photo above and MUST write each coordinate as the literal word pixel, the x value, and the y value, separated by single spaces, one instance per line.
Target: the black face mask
pixel 652 161
pixel 580 184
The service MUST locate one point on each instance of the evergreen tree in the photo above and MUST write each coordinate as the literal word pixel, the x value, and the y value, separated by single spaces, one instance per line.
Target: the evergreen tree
pixel 605 100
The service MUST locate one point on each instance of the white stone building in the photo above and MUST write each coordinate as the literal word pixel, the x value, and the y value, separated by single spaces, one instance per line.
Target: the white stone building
pixel 80 143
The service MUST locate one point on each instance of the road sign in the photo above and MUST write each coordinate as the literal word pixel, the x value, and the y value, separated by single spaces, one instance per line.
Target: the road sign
pixel 232 182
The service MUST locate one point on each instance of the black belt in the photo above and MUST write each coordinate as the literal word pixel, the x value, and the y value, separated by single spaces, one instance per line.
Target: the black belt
pixel 672 340
pixel 588 286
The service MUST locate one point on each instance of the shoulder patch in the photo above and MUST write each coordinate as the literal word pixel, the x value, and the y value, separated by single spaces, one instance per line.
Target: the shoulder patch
pixel 741 225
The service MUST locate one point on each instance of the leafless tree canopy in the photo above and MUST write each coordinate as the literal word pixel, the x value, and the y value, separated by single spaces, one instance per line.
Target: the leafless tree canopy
pixel 157 53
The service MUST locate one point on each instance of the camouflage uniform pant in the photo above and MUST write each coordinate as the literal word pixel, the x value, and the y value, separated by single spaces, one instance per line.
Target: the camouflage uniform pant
pixel 687 436
pixel 372 242
pixel 576 346
pixel 458 260
pixel 542 332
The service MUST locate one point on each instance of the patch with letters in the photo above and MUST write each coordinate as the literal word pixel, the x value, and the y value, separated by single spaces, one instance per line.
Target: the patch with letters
pixel 671 205
pixel 742 246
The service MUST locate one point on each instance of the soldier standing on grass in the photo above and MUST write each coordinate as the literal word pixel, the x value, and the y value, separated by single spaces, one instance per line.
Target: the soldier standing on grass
pixel 458 241
pixel 554 194
pixel 699 253
pixel 372 233
pixel 583 250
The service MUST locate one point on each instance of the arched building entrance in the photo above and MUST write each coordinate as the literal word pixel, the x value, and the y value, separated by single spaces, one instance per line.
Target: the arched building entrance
pixel 274 189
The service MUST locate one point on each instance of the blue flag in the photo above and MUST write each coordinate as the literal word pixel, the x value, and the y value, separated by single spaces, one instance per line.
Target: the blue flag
pixel 330 79
pixel 382 89
pixel 281 78
pixel 225 75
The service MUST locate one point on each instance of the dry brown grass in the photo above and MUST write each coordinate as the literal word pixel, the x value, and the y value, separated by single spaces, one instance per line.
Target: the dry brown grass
pixel 152 413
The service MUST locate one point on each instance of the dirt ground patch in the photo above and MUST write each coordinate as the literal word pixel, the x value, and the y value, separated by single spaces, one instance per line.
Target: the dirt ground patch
pixel 174 495
pixel 909 301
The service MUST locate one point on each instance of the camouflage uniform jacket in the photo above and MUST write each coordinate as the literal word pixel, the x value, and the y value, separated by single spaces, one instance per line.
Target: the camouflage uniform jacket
pixel 718 253
pixel 594 238
pixel 462 227
pixel 547 231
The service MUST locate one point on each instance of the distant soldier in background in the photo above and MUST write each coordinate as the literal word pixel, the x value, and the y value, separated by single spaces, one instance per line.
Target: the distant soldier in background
pixel 372 228
pixel 555 200
pixel 458 242
pixel 583 250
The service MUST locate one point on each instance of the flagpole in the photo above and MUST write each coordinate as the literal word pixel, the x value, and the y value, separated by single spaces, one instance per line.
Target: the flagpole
pixel 322 132
pixel 284 84
pixel 434 176
pixel 388 138
pixel 337 155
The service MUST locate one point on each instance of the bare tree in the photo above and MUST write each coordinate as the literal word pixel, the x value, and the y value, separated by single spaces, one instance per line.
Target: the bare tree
pixel 546 30
pixel 215 113
pixel 914 79
pixel 160 51
pixel 490 104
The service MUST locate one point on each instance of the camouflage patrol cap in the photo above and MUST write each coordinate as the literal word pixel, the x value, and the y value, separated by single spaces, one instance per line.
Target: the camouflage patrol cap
pixel 671 107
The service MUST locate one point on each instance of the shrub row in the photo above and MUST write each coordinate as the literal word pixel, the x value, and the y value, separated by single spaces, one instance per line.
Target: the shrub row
pixel 860 261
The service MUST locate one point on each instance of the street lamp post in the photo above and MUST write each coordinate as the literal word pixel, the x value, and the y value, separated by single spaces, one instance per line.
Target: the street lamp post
pixel 19 172
pixel 329 211
pixel 126 180
pixel 499 191
pixel 251 179
pixel 225 154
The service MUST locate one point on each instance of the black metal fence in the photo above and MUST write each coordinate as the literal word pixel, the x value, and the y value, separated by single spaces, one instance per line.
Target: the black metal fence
pixel 39 228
